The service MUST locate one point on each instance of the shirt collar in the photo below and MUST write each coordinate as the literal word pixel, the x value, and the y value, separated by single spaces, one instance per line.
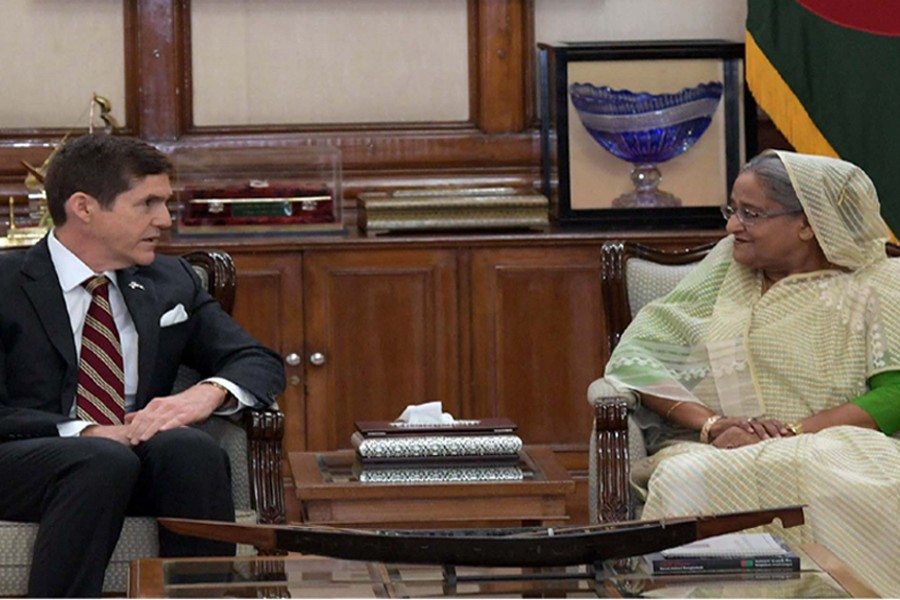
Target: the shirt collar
pixel 70 269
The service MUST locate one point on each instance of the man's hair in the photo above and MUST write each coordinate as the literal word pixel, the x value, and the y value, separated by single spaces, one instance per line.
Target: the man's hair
pixel 102 166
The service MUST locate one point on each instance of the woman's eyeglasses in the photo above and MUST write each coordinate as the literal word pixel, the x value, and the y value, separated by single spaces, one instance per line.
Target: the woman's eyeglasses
pixel 748 217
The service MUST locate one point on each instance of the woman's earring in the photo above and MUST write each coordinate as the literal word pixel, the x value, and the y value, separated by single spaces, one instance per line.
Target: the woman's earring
pixel 806 234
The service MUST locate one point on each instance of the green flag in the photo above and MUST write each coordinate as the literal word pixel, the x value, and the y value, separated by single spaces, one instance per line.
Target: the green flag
pixel 828 74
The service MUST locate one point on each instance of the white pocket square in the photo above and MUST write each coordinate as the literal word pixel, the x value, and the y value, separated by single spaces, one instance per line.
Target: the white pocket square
pixel 173 317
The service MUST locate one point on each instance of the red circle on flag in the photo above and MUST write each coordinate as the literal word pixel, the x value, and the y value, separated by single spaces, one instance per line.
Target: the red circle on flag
pixel 881 17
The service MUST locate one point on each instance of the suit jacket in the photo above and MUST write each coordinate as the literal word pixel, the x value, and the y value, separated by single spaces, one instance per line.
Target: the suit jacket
pixel 39 367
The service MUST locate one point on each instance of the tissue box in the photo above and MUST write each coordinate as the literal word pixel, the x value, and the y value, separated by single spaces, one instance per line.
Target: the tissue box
pixel 487 449
pixel 489 426
pixel 484 442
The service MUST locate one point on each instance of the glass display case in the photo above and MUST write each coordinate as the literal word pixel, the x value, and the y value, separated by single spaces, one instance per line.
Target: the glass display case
pixel 227 191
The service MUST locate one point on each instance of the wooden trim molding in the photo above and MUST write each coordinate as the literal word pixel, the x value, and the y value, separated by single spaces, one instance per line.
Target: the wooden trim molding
pixel 161 47
pixel 498 145
pixel 501 38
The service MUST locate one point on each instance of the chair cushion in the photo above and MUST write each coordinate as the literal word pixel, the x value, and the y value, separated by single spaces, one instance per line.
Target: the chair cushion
pixel 233 438
pixel 138 540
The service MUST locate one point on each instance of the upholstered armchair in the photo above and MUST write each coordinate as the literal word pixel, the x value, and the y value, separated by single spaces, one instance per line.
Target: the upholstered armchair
pixel 631 276
pixel 252 440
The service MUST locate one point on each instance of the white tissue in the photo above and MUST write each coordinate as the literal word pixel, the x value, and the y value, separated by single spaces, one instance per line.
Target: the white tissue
pixel 429 413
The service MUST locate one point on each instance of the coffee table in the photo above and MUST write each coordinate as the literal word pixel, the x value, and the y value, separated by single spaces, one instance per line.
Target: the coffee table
pixel 330 493
pixel 822 575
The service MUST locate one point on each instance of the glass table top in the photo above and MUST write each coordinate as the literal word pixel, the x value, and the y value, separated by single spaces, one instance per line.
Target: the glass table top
pixel 297 576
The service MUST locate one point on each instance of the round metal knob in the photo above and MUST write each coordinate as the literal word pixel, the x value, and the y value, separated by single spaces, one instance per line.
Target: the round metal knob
pixel 317 358
pixel 292 359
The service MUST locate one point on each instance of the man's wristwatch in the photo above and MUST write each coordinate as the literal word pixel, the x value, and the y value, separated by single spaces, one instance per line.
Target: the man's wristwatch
pixel 229 401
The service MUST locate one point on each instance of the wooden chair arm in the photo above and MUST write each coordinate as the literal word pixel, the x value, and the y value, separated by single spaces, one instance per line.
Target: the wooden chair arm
pixel 609 471
pixel 265 430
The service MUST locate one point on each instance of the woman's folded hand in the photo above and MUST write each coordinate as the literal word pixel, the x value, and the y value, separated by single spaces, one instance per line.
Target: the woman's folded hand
pixel 726 423
pixel 767 428
pixel 735 437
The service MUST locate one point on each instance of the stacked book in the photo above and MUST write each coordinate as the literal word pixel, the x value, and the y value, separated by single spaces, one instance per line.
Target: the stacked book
pixel 464 450
pixel 738 552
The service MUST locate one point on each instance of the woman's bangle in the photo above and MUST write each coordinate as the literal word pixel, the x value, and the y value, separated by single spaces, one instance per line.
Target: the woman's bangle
pixel 672 409
pixel 704 431
pixel 795 428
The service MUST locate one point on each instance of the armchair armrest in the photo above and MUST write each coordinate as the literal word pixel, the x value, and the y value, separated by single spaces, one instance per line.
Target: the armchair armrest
pixel 609 491
pixel 265 430
pixel 252 440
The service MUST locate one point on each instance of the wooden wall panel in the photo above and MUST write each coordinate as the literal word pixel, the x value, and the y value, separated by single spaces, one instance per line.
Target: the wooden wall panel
pixel 498 146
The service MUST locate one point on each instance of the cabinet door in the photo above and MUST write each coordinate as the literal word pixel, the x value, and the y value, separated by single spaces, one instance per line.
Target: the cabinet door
pixel 268 303
pixel 537 339
pixel 381 333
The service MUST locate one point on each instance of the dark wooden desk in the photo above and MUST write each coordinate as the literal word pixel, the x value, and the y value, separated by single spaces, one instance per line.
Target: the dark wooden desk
pixel 330 494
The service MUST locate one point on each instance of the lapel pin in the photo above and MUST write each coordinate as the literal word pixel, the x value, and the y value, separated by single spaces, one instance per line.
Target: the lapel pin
pixel 135 285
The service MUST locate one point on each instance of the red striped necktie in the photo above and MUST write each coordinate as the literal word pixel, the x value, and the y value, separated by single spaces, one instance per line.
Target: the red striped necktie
pixel 101 377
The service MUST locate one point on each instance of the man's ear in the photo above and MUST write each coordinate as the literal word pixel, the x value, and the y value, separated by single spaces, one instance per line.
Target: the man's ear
pixel 81 206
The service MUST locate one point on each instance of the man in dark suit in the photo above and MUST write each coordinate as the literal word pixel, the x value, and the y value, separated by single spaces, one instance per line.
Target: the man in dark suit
pixel 77 475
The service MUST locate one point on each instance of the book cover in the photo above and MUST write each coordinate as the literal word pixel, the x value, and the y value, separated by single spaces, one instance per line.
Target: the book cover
pixel 727 553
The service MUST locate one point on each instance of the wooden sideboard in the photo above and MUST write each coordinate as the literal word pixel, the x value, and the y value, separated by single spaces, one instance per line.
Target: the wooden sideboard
pixel 502 324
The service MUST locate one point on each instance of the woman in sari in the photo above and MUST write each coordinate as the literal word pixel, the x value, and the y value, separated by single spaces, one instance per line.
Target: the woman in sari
pixel 771 375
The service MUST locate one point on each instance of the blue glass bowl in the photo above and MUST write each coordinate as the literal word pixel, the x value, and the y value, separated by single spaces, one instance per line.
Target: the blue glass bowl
pixel 642 127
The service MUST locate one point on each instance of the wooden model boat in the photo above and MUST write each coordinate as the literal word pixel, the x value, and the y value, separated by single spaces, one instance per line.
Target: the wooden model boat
pixel 519 547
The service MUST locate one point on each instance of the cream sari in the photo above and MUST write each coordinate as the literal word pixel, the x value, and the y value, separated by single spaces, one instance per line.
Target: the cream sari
pixel 808 344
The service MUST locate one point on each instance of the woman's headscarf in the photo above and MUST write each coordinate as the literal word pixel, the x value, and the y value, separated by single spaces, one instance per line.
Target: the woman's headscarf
pixel 842 206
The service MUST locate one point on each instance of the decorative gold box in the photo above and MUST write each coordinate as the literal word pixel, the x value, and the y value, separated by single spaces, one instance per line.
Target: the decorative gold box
pixel 452 209
pixel 272 191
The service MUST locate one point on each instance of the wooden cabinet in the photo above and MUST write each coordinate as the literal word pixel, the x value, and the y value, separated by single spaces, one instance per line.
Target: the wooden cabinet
pixel 269 304
pixel 536 338
pixel 382 332
pixel 511 331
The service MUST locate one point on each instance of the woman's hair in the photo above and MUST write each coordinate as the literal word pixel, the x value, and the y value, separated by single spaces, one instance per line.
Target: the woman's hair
pixel 102 166
pixel 774 180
